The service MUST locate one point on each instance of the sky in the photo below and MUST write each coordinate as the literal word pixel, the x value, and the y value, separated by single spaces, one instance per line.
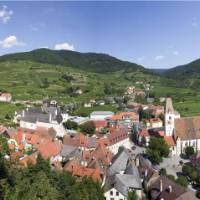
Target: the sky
pixel 153 34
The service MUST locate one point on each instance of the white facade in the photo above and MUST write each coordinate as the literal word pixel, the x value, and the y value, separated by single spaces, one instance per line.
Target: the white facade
pixel 60 131
pixel 170 116
pixel 182 144
pixel 101 115
pixel 113 194
pixel 5 98
pixel 114 147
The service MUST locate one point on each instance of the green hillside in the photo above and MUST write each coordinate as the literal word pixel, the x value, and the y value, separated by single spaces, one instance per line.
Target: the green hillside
pixel 28 80
pixel 189 74
pixel 52 74
pixel 92 62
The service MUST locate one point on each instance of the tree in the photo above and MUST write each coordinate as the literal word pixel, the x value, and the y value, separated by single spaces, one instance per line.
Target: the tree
pixel 189 151
pixel 193 175
pixel 4 149
pixel 198 193
pixel 187 169
pixel 182 180
pixel 132 196
pixel 163 171
pixel 157 149
pixel 143 141
pixel 171 177
pixel 88 128
pixel 154 156
pixel 70 125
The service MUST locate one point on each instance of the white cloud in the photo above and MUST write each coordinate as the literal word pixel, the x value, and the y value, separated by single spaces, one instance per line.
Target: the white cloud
pixel 5 14
pixel 64 46
pixel 11 41
pixel 159 57
pixel 175 53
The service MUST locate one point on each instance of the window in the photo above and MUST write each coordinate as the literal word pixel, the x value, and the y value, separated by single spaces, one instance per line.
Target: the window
pixel 111 193
pixel 117 193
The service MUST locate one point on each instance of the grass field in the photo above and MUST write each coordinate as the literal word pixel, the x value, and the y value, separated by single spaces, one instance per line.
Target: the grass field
pixel 7 111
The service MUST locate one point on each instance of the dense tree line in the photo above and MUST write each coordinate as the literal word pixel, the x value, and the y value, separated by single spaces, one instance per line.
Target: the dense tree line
pixel 40 182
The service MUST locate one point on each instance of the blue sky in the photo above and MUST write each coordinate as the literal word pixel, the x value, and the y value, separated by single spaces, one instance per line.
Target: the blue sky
pixel 153 34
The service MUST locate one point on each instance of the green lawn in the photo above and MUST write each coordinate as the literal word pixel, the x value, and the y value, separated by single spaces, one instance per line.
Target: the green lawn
pixel 7 111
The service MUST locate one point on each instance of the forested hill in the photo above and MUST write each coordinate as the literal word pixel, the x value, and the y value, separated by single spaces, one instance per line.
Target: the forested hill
pixel 93 62
pixel 187 71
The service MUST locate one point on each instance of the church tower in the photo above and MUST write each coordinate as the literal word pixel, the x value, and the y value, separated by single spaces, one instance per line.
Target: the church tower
pixel 169 117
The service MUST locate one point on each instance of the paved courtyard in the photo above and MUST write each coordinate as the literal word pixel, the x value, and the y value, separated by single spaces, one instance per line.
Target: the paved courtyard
pixel 172 165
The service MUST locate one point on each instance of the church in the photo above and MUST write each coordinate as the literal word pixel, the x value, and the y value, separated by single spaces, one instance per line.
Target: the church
pixel 185 131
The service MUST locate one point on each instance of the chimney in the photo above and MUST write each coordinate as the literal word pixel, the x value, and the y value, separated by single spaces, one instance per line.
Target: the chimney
pixel 145 173
pixel 137 162
pixel 170 188
pixel 50 117
pixel 23 113
pixel 161 185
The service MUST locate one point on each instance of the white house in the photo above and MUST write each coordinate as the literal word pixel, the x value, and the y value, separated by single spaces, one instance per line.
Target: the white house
pixel 48 116
pixel 5 97
pixel 117 138
pixel 122 177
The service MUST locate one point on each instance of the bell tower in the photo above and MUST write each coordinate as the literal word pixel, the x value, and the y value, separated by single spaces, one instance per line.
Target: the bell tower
pixel 169 117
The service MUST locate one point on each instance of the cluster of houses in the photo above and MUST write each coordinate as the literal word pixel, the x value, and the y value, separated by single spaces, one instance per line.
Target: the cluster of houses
pixel 178 132
pixel 107 157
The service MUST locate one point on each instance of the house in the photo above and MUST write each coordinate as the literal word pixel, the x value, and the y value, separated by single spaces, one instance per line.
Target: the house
pixel 23 141
pixel 81 141
pixel 47 116
pixel 101 115
pixel 146 171
pixel 49 149
pixel 87 105
pixel 122 177
pixel 129 90
pixel 118 137
pixel 79 170
pixel 153 123
pixel 78 91
pixel 100 103
pixel 78 120
pixel 166 189
pixel 5 97
pixel 125 118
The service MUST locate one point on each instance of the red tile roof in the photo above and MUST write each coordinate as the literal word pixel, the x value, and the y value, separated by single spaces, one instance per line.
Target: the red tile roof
pixel 78 170
pixel 169 140
pixel 100 123
pixel 50 148
pixel 117 135
pixel 144 133
pixel 119 116
pixel 32 158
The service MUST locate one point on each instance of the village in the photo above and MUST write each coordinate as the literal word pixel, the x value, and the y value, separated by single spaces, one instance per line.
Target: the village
pixel 148 150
